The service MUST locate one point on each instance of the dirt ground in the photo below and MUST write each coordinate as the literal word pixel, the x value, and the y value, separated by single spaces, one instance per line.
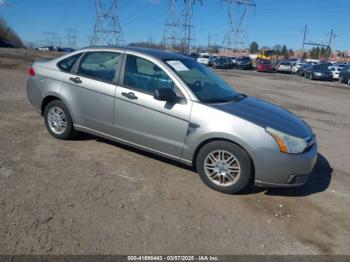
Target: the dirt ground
pixel 91 196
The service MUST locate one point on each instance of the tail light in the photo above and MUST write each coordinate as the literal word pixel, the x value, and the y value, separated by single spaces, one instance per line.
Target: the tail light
pixel 31 71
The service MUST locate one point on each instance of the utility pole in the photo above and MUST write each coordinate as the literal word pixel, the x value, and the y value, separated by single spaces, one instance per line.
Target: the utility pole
pixel 331 38
pixel 304 38
pixel 72 38
pixel 107 29
pixel 318 44
pixel 188 26
pixel 170 35
pixel 234 38
pixel 49 38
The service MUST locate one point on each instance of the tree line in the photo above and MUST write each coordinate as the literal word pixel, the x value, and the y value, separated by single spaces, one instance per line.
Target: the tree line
pixel 7 34
pixel 282 50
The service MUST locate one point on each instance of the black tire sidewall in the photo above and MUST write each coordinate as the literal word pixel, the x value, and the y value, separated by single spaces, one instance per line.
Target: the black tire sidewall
pixel 69 132
pixel 241 155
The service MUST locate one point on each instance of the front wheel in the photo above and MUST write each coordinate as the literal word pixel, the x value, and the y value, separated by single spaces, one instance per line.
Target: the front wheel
pixel 58 120
pixel 224 166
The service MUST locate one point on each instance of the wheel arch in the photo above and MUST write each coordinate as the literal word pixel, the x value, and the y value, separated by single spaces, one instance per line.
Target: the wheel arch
pixel 46 101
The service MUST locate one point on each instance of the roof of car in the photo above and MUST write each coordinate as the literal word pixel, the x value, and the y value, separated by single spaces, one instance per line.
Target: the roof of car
pixel 160 54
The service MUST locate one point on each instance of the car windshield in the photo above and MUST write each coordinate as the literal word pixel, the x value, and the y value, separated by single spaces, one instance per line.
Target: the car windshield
pixel 244 58
pixel 321 67
pixel 203 82
pixel 265 62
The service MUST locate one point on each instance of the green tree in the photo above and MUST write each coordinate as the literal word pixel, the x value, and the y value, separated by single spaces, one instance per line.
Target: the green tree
pixel 254 47
pixel 284 52
pixel 291 52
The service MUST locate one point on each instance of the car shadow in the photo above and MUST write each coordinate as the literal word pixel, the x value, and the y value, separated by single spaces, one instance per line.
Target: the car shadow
pixel 318 181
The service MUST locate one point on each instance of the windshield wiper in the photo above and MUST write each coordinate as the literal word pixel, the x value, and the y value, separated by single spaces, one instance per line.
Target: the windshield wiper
pixel 237 97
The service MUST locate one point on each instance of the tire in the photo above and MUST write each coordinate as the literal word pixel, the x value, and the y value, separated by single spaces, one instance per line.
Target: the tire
pixel 57 111
pixel 349 82
pixel 341 80
pixel 311 77
pixel 219 181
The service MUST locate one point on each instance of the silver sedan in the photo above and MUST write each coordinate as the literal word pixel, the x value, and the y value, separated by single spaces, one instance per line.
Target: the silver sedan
pixel 170 105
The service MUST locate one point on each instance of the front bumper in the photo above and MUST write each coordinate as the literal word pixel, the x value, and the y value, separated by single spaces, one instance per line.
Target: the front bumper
pixel 276 169
pixel 323 77
pixel 244 66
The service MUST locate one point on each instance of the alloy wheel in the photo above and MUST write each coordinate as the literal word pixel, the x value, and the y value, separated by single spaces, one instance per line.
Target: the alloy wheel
pixel 222 168
pixel 57 120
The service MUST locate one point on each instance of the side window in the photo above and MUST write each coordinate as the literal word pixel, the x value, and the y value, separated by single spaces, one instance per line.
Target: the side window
pixel 67 64
pixel 143 75
pixel 100 65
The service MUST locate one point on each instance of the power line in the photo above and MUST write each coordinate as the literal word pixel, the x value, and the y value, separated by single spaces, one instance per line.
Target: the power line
pixel 172 25
pixel 72 38
pixel 189 37
pixel 107 29
pixel 237 20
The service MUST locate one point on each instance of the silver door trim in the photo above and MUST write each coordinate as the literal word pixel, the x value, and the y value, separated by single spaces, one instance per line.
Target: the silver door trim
pixel 126 142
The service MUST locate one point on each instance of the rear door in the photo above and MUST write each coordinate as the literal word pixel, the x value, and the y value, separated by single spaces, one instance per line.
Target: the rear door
pixel 91 89
pixel 143 121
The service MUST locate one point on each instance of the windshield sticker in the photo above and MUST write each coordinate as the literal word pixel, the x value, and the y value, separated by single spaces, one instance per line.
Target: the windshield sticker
pixel 177 65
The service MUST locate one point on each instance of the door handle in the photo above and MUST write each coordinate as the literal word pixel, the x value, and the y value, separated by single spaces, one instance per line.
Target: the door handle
pixel 76 80
pixel 129 95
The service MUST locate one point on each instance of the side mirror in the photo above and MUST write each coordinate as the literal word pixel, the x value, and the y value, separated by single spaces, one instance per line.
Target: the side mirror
pixel 165 94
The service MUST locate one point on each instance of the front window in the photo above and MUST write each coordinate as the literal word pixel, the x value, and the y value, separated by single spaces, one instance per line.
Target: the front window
pixel 203 82
pixel 144 76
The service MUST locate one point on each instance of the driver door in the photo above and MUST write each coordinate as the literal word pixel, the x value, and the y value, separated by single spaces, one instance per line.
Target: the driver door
pixel 143 121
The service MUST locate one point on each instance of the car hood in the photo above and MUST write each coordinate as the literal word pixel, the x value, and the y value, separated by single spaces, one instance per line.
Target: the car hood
pixel 265 115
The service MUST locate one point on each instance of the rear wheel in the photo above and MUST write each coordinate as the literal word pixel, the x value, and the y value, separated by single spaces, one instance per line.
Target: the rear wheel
pixel 58 120
pixel 341 80
pixel 224 166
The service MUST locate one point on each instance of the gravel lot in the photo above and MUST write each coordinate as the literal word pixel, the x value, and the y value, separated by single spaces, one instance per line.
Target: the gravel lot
pixel 91 196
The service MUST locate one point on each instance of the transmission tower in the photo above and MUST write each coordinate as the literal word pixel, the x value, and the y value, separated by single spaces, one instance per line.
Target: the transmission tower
pixel 188 26
pixel 50 38
pixel 172 25
pixel 237 14
pixel 107 30
pixel 72 38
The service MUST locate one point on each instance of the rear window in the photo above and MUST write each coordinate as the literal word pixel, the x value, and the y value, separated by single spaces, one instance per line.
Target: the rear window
pixel 100 65
pixel 67 64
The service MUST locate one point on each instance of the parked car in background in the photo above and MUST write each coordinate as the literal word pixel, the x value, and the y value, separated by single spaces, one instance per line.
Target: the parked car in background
pixel 223 63
pixel 204 60
pixel 303 68
pixel 335 71
pixel 7 44
pixel 296 67
pixel 194 56
pixel 319 71
pixel 344 76
pixel 284 67
pixel 211 60
pixel 170 105
pixel 264 66
pixel 233 58
pixel 243 62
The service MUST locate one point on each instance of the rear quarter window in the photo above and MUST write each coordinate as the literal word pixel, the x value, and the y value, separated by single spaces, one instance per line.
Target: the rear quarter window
pixel 67 64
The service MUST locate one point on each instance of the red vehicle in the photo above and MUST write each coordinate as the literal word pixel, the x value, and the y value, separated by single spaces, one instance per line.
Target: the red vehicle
pixel 264 66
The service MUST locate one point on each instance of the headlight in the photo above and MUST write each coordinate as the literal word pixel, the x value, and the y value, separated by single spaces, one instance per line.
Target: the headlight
pixel 287 143
pixel 318 74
